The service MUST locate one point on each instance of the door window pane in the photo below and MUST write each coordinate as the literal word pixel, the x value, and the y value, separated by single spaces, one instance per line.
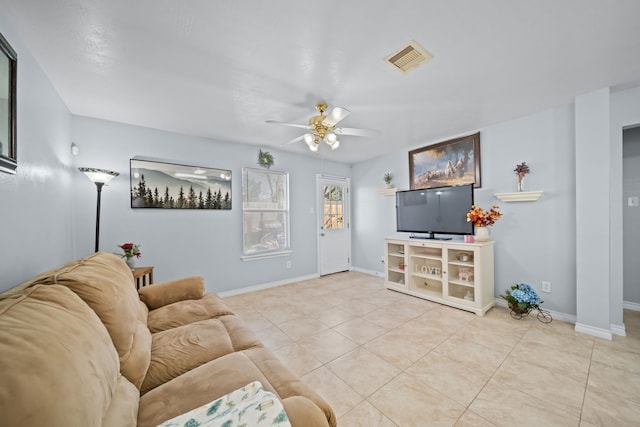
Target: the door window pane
pixel 333 207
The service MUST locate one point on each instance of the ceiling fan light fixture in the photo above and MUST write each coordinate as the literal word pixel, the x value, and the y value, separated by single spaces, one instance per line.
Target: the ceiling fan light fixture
pixel 308 138
pixel 311 143
pixel 321 128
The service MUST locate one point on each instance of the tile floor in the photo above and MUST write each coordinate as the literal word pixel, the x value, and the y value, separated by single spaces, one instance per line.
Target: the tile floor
pixel 382 358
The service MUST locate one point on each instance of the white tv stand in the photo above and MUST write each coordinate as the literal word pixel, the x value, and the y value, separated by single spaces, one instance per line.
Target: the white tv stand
pixel 437 270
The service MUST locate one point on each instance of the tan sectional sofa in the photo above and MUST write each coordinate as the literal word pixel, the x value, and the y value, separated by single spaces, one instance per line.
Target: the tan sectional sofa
pixel 79 346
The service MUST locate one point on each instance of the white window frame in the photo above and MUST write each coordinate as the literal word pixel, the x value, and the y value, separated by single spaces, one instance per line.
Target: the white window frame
pixel 249 208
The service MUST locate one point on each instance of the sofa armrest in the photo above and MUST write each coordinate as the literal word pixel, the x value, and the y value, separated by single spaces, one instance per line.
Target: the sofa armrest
pixel 165 293
pixel 304 413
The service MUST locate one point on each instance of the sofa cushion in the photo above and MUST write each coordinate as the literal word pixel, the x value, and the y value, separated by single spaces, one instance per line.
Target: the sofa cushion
pixel 241 336
pixel 58 364
pixel 123 410
pixel 165 293
pixel 181 313
pixel 198 387
pixel 178 350
pixel 230 372
pixel 106 284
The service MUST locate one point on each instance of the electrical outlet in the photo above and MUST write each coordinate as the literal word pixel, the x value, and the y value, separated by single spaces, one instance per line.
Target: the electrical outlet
pixel 288 264
pixel 546 287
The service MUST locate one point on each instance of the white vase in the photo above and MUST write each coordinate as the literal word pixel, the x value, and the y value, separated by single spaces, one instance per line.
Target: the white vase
pixel 482 234
pixel 131 262
pixel 520 183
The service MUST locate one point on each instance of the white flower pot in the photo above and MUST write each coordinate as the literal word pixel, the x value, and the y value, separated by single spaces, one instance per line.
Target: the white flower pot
pixel 482 234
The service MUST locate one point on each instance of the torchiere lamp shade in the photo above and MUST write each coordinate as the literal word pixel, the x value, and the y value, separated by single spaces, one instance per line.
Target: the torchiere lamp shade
pixel 99 177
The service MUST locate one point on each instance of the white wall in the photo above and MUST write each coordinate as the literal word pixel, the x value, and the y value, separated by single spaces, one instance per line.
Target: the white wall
pixel 592 203
pixel 35 204
pixel 631 215
pixel 190 242
pixel 374 216
pixel 535 240
pixel 625 112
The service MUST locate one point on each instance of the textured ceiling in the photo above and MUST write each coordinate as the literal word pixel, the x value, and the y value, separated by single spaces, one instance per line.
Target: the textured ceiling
pixel 220 69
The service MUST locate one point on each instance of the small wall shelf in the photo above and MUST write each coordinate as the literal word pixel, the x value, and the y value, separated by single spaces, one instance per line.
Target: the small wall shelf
pixel 520 196
pixel 387 191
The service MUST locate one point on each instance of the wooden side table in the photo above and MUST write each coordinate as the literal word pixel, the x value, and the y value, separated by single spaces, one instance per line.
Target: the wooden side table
pixel 143 276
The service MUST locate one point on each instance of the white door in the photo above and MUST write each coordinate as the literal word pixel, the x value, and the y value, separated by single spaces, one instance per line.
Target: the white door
pixel 334 243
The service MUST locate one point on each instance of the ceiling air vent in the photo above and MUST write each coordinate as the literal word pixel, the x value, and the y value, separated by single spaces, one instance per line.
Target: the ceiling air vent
pixel 409 57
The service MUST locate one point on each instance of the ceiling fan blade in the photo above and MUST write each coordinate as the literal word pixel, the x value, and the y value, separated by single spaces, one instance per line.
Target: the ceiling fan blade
pixel 294 140
pixel 335 115
pixel 295 125
pixel 357 132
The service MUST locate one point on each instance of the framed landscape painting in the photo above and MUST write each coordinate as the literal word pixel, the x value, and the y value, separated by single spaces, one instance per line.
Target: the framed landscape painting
pixel 452 162
pixel 171 186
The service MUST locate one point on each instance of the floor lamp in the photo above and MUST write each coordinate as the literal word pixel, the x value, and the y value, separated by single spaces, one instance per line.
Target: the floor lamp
pixel 99 177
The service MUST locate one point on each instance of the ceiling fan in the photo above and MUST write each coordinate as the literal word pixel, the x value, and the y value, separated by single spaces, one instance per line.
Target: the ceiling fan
pixel 323 128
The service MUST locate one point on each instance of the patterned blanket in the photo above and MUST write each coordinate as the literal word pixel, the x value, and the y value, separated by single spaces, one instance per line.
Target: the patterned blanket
pixel 250 405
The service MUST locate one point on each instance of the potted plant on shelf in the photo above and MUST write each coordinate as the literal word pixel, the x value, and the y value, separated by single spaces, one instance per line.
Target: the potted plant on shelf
pixel 130 250
pixel 388 177
pixel 482 220
pixel 521 299
pixel 521 170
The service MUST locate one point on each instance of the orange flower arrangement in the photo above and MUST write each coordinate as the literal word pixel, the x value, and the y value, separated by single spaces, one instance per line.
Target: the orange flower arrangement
pixel 482 218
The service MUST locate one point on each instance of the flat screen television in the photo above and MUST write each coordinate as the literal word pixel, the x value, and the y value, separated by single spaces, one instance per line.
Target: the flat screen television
pixel 431 211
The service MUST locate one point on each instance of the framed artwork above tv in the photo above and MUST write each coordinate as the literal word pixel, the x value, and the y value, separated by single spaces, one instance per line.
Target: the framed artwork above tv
pixel 448 163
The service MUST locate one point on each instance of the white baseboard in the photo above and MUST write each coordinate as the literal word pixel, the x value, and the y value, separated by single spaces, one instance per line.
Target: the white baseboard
pixel 366 271
pixel 569 318
pixel 264 286
pixel 556 315
pixel 270 285
pixel 631 305
pixel 618 330
pixel 592 330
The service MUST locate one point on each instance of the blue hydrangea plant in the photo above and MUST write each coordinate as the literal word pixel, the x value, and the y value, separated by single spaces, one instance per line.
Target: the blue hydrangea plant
pixel 522 298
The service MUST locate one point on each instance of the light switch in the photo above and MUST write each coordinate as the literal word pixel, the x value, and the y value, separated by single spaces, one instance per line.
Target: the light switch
pixel 632 201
